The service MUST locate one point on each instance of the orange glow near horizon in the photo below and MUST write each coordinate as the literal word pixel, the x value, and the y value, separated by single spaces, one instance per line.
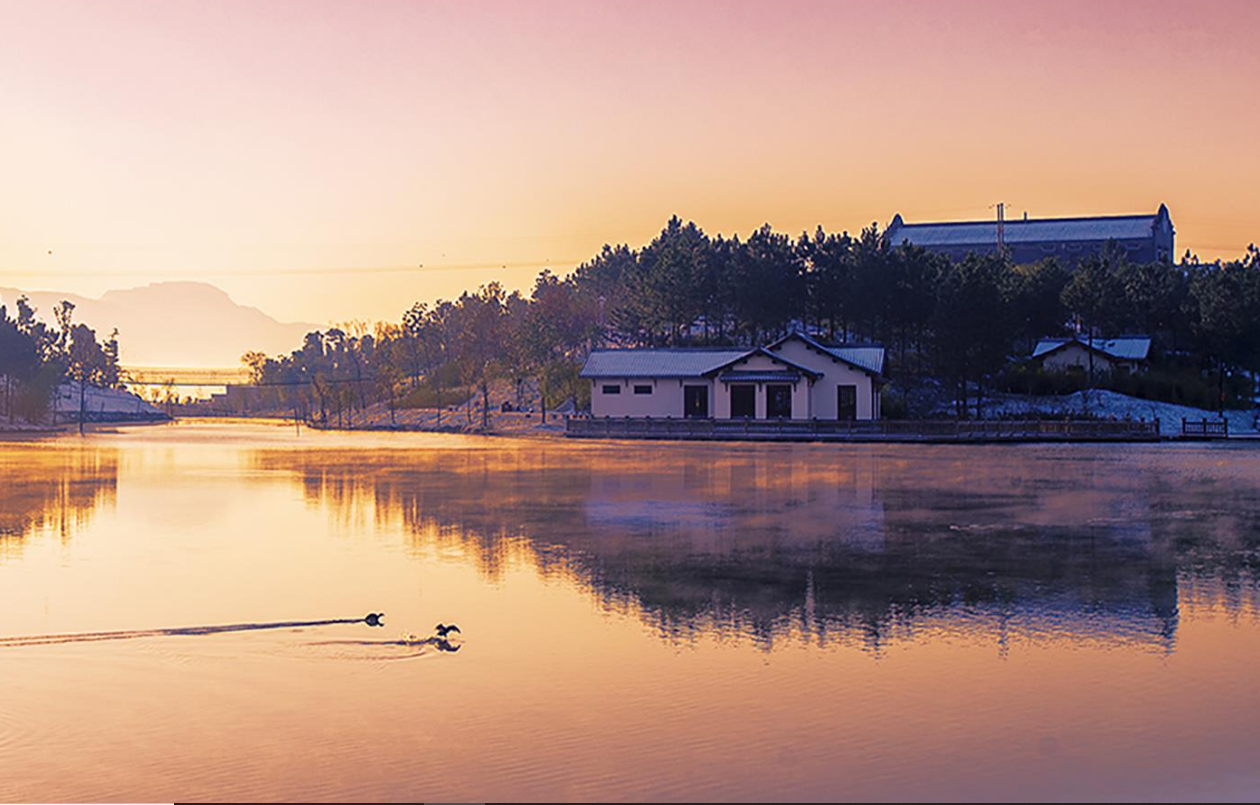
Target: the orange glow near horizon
pixel 238 143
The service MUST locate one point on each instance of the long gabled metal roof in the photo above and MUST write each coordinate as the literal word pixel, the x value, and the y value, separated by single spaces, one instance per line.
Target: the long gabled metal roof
pixel 681 362
pixel 976 233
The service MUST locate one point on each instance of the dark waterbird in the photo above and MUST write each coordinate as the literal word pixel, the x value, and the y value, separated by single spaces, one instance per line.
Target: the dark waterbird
pixel 442 630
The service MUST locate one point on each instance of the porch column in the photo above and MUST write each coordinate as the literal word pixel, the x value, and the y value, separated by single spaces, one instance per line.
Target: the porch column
pixel 802 399
pixel 721 400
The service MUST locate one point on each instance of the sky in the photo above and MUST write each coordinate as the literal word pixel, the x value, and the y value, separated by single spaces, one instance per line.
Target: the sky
pixel 308 157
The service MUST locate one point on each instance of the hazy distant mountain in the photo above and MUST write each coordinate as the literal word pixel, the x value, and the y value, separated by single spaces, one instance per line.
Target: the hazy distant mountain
pixel 175 323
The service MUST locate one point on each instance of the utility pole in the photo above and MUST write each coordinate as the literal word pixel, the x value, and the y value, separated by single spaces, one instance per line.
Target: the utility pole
pixel 1001 227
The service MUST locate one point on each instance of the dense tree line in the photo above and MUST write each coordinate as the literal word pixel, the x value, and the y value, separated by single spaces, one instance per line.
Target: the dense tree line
pixel 960 321
pixel 36 358
pixel 442 353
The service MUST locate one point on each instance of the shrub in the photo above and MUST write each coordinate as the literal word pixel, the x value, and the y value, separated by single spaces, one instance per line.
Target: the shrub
pixel 1172 383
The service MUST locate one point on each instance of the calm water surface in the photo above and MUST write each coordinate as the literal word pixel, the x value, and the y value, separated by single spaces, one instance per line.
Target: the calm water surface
pixel 639 621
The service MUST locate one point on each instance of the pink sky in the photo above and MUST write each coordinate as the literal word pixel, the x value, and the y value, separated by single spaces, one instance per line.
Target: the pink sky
pixel 240 142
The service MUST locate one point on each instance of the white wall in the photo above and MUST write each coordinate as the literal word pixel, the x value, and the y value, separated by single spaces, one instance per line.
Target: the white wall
pixel 666 399
pixel 817 400
pixel 1074 355
pixel 834 374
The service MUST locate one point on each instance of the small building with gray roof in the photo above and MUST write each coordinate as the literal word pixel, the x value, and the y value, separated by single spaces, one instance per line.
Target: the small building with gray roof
pixel 1127 353
pixel 795 377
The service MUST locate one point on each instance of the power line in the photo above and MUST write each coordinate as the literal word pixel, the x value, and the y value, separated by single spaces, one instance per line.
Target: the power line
pixel 294 272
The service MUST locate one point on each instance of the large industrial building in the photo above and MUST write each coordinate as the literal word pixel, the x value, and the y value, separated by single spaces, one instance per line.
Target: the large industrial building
pixel 1143 238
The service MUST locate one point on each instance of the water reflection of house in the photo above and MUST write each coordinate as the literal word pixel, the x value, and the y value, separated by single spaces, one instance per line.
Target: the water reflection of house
pixel 864 545
pixel 744 503
pixel 52 489
pixel 1108 586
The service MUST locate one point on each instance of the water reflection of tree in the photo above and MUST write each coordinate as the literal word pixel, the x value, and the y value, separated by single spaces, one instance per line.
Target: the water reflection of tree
pixel 853 546
pixel 45 488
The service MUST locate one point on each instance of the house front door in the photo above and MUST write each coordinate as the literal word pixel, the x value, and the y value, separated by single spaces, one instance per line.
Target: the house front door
pixel 846 402
pixel 743 401
pixel 778 401
pixel 696 402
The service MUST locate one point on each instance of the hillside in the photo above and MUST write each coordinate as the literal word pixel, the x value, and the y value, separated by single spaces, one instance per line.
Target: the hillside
pixel 188 324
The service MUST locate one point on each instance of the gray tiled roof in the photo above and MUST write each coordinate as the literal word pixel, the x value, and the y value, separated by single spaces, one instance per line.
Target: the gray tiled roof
pixel 657 362
pixel 965 233
pixel 699 361
pixel 869 357
pixel 1126 348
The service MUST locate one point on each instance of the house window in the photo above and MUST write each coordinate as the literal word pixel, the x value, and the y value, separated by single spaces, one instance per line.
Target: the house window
pixel 612 389
pixel 642 389
pixel 743 401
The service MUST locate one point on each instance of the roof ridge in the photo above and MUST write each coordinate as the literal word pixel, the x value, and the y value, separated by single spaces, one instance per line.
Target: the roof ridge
pixel 670 349
pixel 1019 221
pixel 854 345
pixel 1082 337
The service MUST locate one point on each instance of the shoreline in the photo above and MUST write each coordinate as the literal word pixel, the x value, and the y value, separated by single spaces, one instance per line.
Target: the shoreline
pixel 1092 416
pixel 14 433
pixel 28 430
pixel 422 420
pixel 557 432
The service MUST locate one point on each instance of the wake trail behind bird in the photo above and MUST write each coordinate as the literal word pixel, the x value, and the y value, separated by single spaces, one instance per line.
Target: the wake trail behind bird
pixel 372 619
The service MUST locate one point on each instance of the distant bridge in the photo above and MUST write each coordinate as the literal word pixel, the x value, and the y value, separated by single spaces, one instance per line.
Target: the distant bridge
pixel 184 376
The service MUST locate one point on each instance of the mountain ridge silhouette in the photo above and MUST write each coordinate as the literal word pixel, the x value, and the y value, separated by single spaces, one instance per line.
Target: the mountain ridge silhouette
pixel 189 324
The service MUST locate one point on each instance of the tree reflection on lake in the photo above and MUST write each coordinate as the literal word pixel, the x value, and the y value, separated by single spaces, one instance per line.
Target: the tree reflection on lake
pixel 747 621
pixel 862 545
pixel 51 489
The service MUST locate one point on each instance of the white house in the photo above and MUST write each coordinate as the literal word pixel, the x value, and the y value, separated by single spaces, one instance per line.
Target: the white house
pixel 796 377
pixel 1127 353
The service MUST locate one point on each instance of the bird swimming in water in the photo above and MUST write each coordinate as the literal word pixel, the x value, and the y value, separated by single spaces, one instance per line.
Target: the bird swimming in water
pixel 374 619
pixel 442 631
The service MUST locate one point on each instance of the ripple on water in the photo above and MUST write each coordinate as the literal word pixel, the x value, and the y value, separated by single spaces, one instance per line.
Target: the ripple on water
pixel 409 647
pixel 10 730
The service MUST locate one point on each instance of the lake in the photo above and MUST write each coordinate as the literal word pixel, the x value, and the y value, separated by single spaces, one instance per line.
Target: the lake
pixel 638 620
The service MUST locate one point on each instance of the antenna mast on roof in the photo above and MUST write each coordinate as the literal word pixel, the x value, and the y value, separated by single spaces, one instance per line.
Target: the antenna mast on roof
pixel 1001 228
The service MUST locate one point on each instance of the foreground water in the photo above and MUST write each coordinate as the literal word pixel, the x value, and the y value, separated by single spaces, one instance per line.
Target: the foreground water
pixel 639 621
